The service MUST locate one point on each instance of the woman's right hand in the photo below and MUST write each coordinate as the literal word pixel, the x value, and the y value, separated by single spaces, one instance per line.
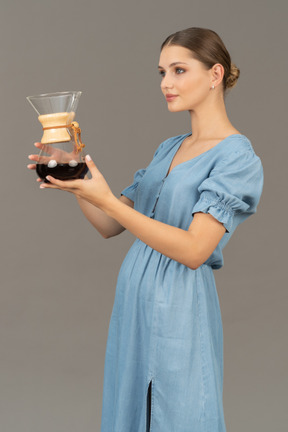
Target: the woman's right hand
pixel 35 158
pixel 53 153
pixel 105 225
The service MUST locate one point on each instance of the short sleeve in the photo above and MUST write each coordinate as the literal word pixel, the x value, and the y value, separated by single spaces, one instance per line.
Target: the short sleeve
pixel 130 190
pixel 233 187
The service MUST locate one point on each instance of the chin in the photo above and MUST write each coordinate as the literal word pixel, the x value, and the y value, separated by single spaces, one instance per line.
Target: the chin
pixel 175 109
pixel 178 106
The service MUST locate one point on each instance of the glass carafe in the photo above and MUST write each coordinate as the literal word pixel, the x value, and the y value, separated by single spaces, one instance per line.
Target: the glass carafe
pixel 62 155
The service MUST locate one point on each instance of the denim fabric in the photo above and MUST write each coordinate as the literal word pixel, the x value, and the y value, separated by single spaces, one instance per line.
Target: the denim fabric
pixel 166 327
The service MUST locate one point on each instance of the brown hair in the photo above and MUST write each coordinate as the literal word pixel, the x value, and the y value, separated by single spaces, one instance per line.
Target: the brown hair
pixel 207 47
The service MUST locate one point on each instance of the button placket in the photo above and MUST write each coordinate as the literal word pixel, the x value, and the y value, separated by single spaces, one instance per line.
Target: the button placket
pixel 157 197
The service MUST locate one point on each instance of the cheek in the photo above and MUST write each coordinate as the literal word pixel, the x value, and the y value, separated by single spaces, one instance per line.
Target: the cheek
pixel 196 87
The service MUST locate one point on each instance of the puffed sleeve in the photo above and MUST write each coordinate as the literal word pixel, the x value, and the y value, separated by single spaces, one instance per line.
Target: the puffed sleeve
pixel 233 189
pixel 130 190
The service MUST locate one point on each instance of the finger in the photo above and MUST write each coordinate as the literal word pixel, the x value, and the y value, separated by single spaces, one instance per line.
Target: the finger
pixel 31 166
pixel 48 186
pixel 34 157
pixel 91 165
pixel 51 184
pixel 64 184
pixel 48 149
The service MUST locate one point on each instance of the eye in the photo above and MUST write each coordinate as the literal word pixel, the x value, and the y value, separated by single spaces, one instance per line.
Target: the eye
pixel 177 69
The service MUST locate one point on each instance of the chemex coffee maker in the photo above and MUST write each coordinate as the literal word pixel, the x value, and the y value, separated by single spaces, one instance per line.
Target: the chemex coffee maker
pixel 61 154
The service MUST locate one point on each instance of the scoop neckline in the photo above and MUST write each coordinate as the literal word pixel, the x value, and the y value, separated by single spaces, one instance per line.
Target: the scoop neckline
pixel 183 137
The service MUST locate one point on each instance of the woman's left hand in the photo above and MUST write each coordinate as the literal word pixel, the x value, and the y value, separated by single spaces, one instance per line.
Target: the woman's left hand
pixel 94 190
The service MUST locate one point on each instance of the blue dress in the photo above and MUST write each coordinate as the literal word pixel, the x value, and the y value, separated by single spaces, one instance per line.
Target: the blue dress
pixel 164 355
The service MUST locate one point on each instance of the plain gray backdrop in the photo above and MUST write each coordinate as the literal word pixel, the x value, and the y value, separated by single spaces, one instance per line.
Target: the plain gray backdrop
pixel 58 275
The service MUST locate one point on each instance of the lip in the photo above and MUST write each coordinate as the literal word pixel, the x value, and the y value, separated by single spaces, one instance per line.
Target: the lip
pixel 170 97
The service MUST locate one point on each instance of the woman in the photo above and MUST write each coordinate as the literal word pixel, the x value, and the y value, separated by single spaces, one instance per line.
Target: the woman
pixel 164 355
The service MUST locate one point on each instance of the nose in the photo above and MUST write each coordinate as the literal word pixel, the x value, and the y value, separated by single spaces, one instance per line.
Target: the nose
pixel 166 83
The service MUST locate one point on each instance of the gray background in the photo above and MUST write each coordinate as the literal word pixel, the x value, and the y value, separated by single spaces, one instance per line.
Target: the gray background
pixel 58 275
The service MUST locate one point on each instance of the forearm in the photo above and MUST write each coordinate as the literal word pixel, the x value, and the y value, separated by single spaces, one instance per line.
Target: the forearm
pixel 105 225
pixel 191 247
pixel 176 243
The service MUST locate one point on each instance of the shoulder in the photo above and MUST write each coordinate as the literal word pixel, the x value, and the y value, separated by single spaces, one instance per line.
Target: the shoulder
pixel 235 146
pixel 238 143
pixel 238 160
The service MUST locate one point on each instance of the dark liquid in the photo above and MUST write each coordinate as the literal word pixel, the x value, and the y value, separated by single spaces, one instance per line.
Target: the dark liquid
pixel 62 171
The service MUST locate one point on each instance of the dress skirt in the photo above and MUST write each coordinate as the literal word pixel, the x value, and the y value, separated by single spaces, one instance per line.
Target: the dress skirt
pixel 165 330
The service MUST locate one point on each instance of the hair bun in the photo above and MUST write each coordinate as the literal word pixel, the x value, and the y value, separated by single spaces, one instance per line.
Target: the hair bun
pixel 233 76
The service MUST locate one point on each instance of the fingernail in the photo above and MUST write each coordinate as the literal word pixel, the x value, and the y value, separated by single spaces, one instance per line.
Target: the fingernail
pixel 48 177
pixel 88 158
pixel 42 186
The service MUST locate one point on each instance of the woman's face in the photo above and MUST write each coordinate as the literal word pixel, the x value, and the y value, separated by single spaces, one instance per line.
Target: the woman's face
pixel 188 79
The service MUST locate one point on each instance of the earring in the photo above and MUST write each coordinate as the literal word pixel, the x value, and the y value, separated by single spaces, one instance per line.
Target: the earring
pixel 213 87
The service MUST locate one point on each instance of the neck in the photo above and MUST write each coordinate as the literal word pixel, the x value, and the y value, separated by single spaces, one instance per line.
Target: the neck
pixel 210 121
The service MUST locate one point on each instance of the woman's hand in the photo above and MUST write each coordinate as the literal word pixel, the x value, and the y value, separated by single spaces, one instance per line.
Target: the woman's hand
pixel 35 158
pixel 94 190
pixel 53 153
pixel 191 248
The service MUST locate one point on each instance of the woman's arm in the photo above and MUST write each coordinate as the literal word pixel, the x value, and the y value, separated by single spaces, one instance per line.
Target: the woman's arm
pixel 105 225
pixel 191 248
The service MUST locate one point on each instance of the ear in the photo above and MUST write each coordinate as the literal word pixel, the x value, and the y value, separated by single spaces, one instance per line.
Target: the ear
pixel 217 74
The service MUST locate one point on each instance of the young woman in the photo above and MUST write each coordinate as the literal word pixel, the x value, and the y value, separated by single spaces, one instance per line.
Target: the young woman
pixel 164 356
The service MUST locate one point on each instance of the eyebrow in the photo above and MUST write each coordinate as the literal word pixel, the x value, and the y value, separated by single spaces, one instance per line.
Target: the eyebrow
pixel 172 64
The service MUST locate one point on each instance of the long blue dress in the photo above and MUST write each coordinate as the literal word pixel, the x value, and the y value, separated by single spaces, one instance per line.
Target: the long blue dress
pixel 165 327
